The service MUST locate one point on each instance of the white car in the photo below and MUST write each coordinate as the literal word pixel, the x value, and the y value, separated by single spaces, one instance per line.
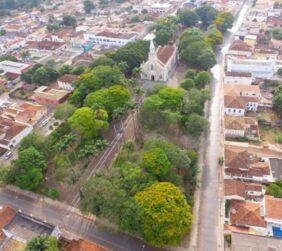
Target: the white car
pixel 8 155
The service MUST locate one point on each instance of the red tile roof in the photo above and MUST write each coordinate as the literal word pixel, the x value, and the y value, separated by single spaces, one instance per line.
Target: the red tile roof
pixel 246 213
pixel 240 188
pixel 6 215
pixel 273 207
pixel 164 53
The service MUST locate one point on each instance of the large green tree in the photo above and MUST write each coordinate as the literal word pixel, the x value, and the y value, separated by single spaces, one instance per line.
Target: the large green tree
pixel 188 17
pixel 116 96
pixel 133 54
pixel 156 162
pixel 88 123
pixel 166 216
pixel 207 14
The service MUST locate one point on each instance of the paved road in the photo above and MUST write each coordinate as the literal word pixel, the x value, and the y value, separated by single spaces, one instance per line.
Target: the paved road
pixel 209 232
pixel 71 222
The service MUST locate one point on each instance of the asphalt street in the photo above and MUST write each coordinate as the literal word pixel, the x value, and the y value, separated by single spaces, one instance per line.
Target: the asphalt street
pixel 210 224
pixel 70 221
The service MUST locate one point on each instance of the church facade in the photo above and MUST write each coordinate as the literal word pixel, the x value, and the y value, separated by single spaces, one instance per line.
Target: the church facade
pixel 160 64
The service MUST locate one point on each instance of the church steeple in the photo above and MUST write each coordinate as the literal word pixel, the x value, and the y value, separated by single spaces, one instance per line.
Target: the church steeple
pixel 152 52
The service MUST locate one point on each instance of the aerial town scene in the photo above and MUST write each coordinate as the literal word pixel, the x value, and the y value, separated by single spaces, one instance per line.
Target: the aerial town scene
pixel 140 125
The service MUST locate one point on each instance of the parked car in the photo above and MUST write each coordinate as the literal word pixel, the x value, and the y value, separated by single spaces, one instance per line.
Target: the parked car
pixel 8 155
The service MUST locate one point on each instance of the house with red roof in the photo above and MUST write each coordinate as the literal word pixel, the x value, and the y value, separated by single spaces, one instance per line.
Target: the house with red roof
pixel 160 64
pixel 241 165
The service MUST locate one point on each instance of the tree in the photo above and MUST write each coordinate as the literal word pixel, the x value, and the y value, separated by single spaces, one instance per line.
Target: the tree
pixel 133 53
pixel 106 61
pixel 188 17
pixel 196 125
pixel 92 80
pixel 224 21
pixel 166 216
pixel 275 189
pixel 198 54
pixel 102 197
pixel 42 243
pixel 207 14
pixel 156 162
pixel 172 97
pixel 39 142
pixel 63 111
pixel 162 37
pixel 30 179
pixel 116 96
pixel 202 79
pixel 30 157
pixel 87 122
pixel 277 101
pixel 279 72
pixel 69 20
pixel 130 217
pixel 214 37
pixel 88 6
pixel 277 33
pixel 65 69
pixel 187 84
pixel 40 76
pixel 2 32
pixel 190 73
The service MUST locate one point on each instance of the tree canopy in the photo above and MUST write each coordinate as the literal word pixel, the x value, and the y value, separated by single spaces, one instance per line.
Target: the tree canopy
pixel 277 101
pixel 207 14
pixel 188 17
pixel 156 162
pixel 115 97
pixel 88 122
pixel 168 225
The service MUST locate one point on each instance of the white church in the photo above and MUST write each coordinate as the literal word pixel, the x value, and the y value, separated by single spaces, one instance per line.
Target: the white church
pixel 160 64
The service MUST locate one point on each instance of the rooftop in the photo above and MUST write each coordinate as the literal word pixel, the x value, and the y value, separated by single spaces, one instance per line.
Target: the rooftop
pixel 26 227
pixel 83 245
pixel 244 241
pixel 164 53
pixel 273 207
pixel 246 213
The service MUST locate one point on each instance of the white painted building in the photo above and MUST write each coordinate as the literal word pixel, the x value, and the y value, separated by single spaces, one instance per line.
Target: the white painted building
pixel 13 67
pixel 159 8
pixel 111 38
pixel 243 78
pixel 262 68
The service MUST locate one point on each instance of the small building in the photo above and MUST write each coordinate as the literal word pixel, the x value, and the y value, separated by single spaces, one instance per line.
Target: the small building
pixel 67 81
pixel 239 105
pixel 259 68
pixel 242 90
pixel 11 133
pixel 28 114
pixel 14 67
pixel 159 8
pixel 22 228
pixel 241 165
pixel 243 78
pixel 239 190
pixel 276 168
pixel 160 64
pixel 240 48
pixel 49 96
pixel 249 241
pixel 235 127
pixel 273 215
pixel 110 38
pixel 247 214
